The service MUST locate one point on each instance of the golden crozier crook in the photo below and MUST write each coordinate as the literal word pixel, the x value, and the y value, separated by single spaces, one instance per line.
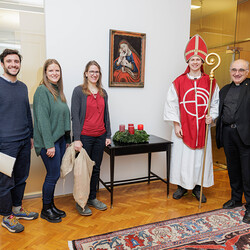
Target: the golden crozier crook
pixel 211 61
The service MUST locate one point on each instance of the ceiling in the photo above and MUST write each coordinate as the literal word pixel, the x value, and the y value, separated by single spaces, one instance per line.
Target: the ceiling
pixel 35 3
pixel 212 6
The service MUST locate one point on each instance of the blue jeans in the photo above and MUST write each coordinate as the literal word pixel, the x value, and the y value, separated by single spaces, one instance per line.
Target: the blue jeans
pixel 53 166
pixel 12 188
pixel 94 146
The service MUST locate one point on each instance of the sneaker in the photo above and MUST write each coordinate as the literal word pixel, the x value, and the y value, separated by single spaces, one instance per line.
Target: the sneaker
pixel 196 193
pixel 24 214
pixel 85 212
pixel 97 204
pixel 179 192
pixel 12 224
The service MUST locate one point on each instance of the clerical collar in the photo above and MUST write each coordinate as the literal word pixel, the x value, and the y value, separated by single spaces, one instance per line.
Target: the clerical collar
pixel 237 85
pixel 193 77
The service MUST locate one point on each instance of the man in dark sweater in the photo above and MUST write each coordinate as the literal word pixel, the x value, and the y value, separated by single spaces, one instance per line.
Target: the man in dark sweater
pixel 233 133
pixel 16 133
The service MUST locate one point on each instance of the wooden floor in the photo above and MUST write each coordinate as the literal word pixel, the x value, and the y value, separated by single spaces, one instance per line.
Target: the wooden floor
pixel 134 205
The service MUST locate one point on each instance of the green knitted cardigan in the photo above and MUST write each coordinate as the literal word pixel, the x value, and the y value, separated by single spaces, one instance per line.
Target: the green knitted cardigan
pixel 51 119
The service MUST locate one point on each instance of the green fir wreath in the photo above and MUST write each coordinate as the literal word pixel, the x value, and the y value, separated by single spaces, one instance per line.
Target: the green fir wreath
pixel 139 136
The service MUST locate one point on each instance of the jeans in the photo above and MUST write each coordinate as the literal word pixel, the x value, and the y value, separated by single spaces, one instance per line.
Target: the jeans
pixel 12 188
pixel 94 146
pixel 53 166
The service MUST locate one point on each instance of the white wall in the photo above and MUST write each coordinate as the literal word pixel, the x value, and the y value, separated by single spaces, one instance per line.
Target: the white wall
pixel 78 31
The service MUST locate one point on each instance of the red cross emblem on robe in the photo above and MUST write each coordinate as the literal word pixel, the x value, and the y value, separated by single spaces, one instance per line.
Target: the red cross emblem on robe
pixel 193 104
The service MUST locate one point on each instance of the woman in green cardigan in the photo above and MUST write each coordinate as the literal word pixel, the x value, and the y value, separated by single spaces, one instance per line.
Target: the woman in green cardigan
pixel 51 133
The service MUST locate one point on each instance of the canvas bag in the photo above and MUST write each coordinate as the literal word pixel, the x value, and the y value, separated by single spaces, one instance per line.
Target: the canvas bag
pixel 83 167
pixel 6 164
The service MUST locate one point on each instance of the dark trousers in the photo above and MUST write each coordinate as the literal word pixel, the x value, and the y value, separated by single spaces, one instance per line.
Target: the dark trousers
pixel 53 166
pixel 94 146
pixel 12 188
pixel 238 164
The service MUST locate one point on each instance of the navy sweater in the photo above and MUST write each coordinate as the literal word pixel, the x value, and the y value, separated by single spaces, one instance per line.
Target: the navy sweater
pixel 15 114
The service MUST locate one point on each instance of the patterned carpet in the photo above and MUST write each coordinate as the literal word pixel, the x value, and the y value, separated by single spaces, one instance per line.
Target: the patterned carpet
pixel 218 229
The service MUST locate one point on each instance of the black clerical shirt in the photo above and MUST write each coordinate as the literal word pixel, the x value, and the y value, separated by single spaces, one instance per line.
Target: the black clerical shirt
pixel 230 104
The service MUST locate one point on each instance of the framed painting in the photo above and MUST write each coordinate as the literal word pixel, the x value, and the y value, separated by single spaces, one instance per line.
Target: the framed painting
pixel 126 59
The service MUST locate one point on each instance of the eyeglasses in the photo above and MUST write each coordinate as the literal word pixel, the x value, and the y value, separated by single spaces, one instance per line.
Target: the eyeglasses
pixel 234 70
pixel 94 72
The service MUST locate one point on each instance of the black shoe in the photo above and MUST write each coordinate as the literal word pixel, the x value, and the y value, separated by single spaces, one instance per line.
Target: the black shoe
pixel 246 218
pixel 197 192
pixel 179 192
pixel 232 204
pixel 61 213
pixel 48 214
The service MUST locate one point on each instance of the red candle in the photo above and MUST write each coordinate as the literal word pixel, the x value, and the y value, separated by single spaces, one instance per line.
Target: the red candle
pixel 131 129
pixel 122 128
pixel 140 126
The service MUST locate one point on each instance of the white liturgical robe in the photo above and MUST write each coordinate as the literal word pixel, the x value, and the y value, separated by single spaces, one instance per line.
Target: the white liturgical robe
pixel 186 163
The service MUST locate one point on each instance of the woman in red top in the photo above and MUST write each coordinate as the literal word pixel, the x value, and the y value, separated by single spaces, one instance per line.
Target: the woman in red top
pixel 91 126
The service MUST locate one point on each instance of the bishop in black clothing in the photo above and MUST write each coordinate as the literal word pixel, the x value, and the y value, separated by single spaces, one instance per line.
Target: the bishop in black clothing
pixel 233 133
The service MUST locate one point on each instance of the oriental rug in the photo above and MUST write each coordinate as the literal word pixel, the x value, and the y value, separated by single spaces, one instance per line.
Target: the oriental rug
pixel 218 229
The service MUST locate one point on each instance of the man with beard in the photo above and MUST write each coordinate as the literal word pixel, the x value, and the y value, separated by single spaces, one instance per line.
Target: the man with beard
pixel 16 133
